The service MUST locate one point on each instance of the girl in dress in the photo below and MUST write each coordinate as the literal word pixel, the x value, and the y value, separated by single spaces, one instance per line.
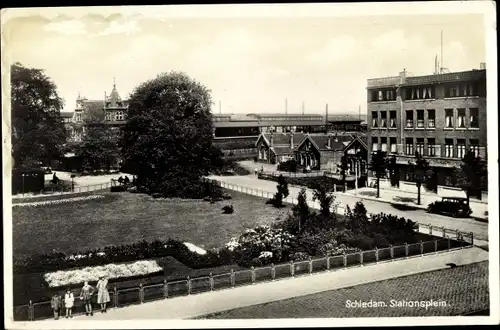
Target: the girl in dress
pixel 69 300
pixel 102 293
pixel 86 296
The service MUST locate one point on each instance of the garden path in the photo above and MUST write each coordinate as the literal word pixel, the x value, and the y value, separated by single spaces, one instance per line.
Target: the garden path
pixel 212 302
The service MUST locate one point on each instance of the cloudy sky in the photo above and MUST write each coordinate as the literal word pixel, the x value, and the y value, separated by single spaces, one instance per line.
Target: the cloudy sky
pixel 250 62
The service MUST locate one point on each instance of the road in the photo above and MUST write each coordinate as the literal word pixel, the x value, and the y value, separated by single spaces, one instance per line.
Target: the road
pixel 480 229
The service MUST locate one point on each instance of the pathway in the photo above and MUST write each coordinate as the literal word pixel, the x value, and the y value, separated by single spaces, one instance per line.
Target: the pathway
pixel 212 302
pixel 256 186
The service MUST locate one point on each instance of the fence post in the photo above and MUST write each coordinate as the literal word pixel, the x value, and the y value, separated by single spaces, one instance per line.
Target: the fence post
pixel 232 277
pixel 361 258
pixel 449 243
pixel 141 293
pixel 430 229
pixel 253 274
pixel 406 250
pixel 471 238
pixel 392 252
pixel 328 263
pixel 31 312
pixel 115 296
pixel 376 255
pixel 292 269
pixel 334 187
pixel 310 265
pixel 444 231
pixel 165 289
pixel 345 260
pixel 273 272
pixel 211 282
pixel 189 285
pixel 421 248
pixel 435 245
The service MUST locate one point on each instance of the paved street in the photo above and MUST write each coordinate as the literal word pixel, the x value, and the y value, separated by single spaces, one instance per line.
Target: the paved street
pixel 212 302
pixel 480 229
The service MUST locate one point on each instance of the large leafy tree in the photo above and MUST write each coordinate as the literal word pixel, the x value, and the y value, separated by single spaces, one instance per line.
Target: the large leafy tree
pixel 471 174
pixel 420 173
pixel 38 132
pixel 167 140
pixel 378 166
pixel 99 146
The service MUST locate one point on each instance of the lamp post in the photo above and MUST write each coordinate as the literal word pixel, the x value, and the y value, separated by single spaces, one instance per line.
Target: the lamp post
pixel 23 175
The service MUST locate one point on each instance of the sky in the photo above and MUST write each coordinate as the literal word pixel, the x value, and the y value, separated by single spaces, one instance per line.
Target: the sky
pixel 251 63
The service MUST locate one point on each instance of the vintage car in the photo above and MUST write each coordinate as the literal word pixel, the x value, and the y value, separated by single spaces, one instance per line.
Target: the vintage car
pixel 453 206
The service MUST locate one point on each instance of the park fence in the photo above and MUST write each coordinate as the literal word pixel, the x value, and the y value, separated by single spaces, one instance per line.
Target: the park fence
pixel 274 175
pixel 55 191
pixel 444 240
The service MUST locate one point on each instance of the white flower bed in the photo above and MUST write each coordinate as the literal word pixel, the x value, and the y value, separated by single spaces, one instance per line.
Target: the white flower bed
pixel 194 248
pixel 60 201
pixel 92 274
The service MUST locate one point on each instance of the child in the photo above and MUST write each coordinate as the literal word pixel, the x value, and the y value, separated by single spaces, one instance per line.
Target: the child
pixel 69 300
pixel 55 303
pixel 86 295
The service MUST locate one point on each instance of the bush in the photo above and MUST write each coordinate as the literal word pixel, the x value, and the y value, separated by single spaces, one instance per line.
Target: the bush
pixel 117 188
pixel 300 256
pixel 228 209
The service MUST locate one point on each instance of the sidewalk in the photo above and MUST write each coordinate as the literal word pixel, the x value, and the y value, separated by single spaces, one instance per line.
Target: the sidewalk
pixel 192 306
pixel 395 196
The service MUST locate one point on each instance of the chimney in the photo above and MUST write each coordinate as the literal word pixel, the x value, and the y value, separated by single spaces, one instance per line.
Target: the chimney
pixel 482 66
pixel 291 140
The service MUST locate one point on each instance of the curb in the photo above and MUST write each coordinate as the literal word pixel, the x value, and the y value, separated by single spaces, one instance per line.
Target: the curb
pixel 477 218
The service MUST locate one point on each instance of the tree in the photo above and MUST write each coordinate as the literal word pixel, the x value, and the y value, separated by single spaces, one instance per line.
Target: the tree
pixel 282 192
pixel 301 210
pixel 99 146
pixel 420 172
pixel 471 174
pixel 323 194
pixel 167 139
pixel 343 170
pixel 38 132
pixel 378 166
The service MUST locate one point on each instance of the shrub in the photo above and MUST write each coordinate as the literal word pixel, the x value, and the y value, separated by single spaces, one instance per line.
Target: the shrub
pixel 300 256
pixel 117 188
pixel 255 262
pixel 228 209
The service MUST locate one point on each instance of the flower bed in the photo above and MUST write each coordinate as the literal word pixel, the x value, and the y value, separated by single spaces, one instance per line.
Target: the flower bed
pixel 92 274
pixel 59 201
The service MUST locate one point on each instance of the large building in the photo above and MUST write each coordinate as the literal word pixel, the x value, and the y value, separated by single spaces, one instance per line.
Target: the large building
pixel 440 116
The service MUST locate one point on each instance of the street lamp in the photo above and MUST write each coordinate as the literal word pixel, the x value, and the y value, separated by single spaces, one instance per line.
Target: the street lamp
pixel 23 175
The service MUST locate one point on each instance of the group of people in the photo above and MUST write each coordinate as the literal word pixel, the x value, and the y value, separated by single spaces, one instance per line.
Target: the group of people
pixel 86 295
pixel 125 180
pixel 261 170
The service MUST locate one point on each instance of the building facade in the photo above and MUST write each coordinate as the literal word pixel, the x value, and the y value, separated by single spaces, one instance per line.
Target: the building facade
pixel 440 116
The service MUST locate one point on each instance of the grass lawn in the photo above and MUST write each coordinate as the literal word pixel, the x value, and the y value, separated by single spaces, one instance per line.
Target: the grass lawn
pixel 124 218
pixel 464 289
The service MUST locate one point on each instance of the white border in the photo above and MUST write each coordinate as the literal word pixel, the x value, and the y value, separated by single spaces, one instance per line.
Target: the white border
pixel 487 8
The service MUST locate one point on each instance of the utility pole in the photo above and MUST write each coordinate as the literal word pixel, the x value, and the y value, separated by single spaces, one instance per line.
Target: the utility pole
pixel 286 105
pixel 220 107
pixel 326 118
pixel 441 64
pixel 302 107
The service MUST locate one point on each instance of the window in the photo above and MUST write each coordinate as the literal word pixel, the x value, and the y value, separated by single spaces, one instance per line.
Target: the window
pixel 394 145
pixel 460 148
pixel 461 90
pixel 474 117
pixel 380 96
pixel 409 118
pixel 119 115
pixel 448 118
pixel 420 118
pixel 392 116
pixel 420 93
pixel 108 116
pixel 448 148
pixel 474 146
pixel 431 118
pixel 383 144
pixel 431 147
pixel 461 118
pixel 409 146
pixel 374 119
pixel 78 117
pixel 419 147
pixel 374 144
pixel 383 95
pixel 383 119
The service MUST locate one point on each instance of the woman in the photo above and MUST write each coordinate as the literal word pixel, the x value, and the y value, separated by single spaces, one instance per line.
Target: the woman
pixel 69 300
pixel 86 295
pixel 102 293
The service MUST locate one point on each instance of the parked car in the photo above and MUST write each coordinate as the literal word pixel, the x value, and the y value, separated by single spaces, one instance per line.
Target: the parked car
pixel 453 206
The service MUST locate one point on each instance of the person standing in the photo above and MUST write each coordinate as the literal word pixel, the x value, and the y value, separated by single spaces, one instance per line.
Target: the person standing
pixel 55 303
pixel 102 293
pixel 86 295
pixel 69 300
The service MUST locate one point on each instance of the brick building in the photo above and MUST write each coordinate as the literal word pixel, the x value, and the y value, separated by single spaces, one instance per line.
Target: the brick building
pixel 440 116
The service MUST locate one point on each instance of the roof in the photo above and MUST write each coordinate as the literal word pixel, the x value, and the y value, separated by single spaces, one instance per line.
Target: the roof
pixel 336 141
pixel 344 117
pixel 471 75
pixel 284 138
pixel 66 114
pixel 282 150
